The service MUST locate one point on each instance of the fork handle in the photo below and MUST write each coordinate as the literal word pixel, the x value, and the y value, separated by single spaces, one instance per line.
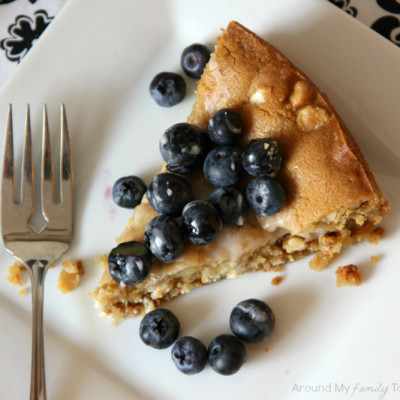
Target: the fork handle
pixel 38 270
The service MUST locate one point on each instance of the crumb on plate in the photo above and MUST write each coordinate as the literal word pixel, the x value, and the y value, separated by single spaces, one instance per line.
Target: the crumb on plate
pixel 70 276
pixel 14 274
pixel 277 280
pixel 374 259
pixel 348 275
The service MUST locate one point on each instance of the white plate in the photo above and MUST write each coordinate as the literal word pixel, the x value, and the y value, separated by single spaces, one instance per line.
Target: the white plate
pixel 98 58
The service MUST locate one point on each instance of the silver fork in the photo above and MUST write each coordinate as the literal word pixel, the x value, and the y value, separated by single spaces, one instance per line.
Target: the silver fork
pixel 37 250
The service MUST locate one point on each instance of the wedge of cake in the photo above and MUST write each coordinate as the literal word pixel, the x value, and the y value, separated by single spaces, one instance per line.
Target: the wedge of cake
pixel 332 197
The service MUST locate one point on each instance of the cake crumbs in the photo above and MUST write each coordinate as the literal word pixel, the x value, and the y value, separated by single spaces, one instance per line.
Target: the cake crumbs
pixel 277 280
pixel 70 276
pixel 14 274
pixel 374 259
pixel 348 275
pixel 68 280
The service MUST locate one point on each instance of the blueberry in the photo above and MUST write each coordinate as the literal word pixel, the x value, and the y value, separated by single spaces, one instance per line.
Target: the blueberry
pixel 128 191
pixel 189 355
pixel 183 147
pixel 223 165
pixel 224 127
pixel 164 237
pixel 159 328
pixel 201 222
pixel 226 354
pixel 252 321
pixel 129 263
pixel 262 157
pixel 167 89
pixel 168 193
pixel 231 203
pixel 194 59
pixel 265 196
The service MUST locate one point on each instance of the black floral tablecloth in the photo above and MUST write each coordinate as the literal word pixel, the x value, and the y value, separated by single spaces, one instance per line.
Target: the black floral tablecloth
pixel 23 21
pixel 383 16
pixel 21 24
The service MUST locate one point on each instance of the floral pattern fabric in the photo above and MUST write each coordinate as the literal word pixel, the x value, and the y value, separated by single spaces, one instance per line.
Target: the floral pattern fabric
pixel 23 21
pixel 383 16
pixel 23 33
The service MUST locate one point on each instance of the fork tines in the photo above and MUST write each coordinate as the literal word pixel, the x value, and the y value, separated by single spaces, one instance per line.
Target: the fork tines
pixel 23 209
pixel 49 206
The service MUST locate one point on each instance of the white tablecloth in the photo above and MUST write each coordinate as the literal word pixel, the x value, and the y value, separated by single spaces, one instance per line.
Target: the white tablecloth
pixel 23 21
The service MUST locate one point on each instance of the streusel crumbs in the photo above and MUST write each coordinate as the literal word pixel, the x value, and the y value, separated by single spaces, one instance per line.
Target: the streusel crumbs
pixel 374 259
pixel 14 274
pixel 277 280
pixel 70 276
pixel 348 275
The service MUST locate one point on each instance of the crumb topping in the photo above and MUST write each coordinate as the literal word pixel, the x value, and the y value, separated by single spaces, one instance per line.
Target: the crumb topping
pixel 14 274
pixel 374 259
pixel 70 276
pixel 348 275
pixel 376 235
pixel 277 280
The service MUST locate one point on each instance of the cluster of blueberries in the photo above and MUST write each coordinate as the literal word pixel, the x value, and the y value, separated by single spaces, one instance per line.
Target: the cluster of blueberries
pixel 185 148
pixel 251 321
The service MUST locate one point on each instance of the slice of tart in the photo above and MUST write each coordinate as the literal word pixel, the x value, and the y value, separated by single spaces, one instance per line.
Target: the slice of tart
pixel 332 197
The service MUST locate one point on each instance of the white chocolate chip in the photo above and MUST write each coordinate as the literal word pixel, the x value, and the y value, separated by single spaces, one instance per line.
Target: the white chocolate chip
pixel 257 97
pixel 301 95
pixel 311 117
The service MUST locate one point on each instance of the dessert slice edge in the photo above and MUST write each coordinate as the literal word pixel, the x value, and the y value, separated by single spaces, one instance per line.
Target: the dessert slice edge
pixel 333 198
